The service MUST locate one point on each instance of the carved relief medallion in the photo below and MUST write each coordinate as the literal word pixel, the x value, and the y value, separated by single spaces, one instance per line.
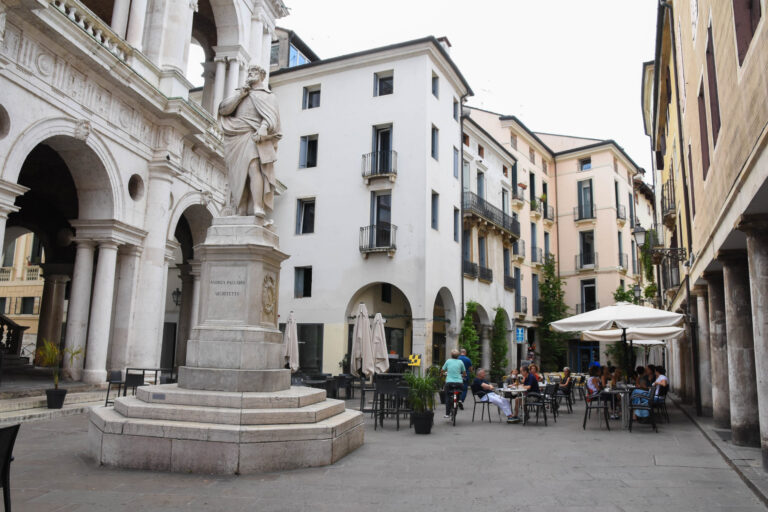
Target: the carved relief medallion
pixel 268 298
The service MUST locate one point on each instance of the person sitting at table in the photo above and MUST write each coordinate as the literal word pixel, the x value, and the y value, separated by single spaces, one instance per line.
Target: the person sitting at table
pixel 639 372
pixel 661 381
pixel 640 396
pixel 513 377
pixel 530 384
pixel 483 390
pixel 650 372
pixel 566 380
pixel 534 370
pixel 594 386
pixel 454 372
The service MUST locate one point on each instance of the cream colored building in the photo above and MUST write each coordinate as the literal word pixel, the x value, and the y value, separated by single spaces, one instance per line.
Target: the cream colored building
pixel 21 285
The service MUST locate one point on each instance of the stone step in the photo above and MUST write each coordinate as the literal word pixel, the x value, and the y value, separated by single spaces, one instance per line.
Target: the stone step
pixel 37 402
pixel 133 407
pixel 110 421
pixel 43 413
pixel 294 397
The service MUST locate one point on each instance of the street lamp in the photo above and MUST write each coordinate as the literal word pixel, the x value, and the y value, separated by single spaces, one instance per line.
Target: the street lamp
pixel 657 253
pixel 176 296
pixel 636 291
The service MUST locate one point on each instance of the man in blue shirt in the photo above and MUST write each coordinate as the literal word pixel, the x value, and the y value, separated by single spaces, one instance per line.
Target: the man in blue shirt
pixel 483 391
pixel 454 372
pixel 530 384
pixel 467 368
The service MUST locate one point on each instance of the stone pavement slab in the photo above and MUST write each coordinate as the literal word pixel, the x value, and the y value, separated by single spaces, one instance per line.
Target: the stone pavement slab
pixel 473 466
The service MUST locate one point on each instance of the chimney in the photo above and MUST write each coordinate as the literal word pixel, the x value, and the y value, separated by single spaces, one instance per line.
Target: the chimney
pixel 445 43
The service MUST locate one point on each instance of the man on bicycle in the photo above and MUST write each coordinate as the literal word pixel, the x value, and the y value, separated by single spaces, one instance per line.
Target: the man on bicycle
pixel 468 368
pixel 454 370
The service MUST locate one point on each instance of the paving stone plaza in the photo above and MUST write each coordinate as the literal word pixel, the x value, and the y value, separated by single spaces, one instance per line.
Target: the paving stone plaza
pixel 473 466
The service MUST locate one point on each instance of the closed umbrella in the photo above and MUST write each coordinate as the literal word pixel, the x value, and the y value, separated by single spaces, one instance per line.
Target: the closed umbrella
pixel 361 358
pixel 291 344
pixel 379 340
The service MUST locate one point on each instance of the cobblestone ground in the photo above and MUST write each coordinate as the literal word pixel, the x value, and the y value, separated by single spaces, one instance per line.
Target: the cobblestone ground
pixel 474 466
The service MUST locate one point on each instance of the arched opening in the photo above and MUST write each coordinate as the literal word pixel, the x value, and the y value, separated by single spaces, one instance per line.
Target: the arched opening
pixel 444 326
pixel 180 315
pixel 391 302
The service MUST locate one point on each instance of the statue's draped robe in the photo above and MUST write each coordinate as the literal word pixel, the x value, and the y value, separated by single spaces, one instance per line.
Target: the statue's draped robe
pixel 240 121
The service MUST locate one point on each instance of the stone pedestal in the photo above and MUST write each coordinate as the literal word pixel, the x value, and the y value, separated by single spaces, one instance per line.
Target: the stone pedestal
pixel 233 410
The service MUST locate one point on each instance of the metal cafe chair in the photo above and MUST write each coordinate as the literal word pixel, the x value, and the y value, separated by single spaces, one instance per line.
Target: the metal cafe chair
pixel 115 378
pixel 7 440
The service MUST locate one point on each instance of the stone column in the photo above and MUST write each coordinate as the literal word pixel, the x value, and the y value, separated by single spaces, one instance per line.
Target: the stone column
pixel 101 313
pixel 705 370
pixel 209 75
pixel 79 305
pixel 185 314
pixel 194 271
pixel 233 77
pixel 52 308
pixel 266 47
pixel 146 336
pixel 136 21
pixel 718 350
pixel 419 341
pixel 120 12
pixel 745 424
pixel 218 84
pixel 125 295
pixel 485 343
pixel 756 228
pixel 255 44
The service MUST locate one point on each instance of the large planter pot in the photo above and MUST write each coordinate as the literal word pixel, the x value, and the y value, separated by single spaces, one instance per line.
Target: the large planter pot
pixel 422 422
pixel 55 398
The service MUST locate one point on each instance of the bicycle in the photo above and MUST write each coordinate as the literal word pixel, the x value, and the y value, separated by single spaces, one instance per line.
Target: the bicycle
pixel 456 393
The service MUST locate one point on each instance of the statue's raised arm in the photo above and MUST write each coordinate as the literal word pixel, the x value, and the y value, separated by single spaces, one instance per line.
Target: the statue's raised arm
pixel 250 123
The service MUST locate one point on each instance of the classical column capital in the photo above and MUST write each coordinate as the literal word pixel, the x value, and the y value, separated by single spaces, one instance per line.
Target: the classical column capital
pixel 699 290
pixel 752 223
pixel 185 272
pixel 109 245
pixel 194 268
pixel 130 250
pixel 170 248
pixel 731 255
pixel 9 191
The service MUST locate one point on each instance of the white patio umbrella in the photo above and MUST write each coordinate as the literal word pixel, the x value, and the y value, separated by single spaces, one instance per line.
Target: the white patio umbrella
pixel 379 341
pixel 635 334
pixel 361 358
pixel 291 344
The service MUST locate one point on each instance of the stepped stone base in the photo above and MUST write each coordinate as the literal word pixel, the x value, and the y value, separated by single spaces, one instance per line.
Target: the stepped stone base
pixel 167 428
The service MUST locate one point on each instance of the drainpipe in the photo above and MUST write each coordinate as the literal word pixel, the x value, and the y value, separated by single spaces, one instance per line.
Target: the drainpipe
pixel 686 202
pixel 461 206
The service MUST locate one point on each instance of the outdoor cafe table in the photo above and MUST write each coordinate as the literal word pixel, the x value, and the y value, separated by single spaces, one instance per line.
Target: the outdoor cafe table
pixel 623 394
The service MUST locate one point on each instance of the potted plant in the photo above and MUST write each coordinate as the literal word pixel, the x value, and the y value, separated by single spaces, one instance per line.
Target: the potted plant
pixel 50 356
pixel 421 395
pixel 437 373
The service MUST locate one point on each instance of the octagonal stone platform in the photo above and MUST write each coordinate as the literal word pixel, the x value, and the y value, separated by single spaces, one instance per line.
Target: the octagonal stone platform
pixel 167 428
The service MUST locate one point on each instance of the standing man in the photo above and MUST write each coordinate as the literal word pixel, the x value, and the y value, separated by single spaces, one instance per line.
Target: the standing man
pixel 454 371
pixel 467 370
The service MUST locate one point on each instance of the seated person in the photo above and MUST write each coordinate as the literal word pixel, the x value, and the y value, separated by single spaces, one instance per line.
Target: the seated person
pixel 640 397
pixel 566 381
pixel 639 372
pixel 594 386
pixel 535 372
pixel 483 390
pixel 454 371
pixel 530 384
pixel 662 382
pixel 513 377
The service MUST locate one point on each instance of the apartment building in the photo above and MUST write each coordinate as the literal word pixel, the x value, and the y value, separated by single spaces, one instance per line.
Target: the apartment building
pixel 710 68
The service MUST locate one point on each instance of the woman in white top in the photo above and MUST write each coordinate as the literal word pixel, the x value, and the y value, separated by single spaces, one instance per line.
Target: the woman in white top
pixel 661 381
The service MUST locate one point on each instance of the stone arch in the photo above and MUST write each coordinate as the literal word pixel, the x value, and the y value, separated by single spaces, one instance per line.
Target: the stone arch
pixel 198 210
pixel 89 160
pixel 444 325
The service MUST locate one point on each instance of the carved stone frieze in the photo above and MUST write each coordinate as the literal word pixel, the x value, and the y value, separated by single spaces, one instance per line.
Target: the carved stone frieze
pixel 82 130
pixel 268 298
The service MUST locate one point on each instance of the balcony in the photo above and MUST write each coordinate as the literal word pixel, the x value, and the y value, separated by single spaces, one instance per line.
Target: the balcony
pixel 380 164
pixel 584 214
pixel 621 215
pixel 537 256
pixel 470 269
pixel 485 274
pixel 509 283
pixel 585 261
pixel 521 307
pixel 668 208
pixel 536 209
pixel 549 214
pixel 518 197
pixel 379 237
pixel 32 273
pixel 623 262
pixel 585 307
pixel 475 205
pixel 518 251
pixel 5 273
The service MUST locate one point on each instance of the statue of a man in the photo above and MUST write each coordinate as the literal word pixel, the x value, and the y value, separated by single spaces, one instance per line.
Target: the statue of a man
pixel 250 123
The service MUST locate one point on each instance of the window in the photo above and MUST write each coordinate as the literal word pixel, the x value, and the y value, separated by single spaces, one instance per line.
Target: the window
pixel 274 54
pixel 585 208
pixel 383 83
pixel 505 170
pixel 435 206
pixel 532 155
pixel 621 284
pixel 505 201
pixel 587 246
pixel 690 177
pixel 481 251
pixel 3 303
pixel 631 202
pixel 382 150
pixel 456 221
pixel 10 251
pixel 634 258
pixel 466 249
pixel 465 139
pixel 435 86
pixel 295 57
pixel 480 185
pixel 518 295
pixel 311 97
pixel 545 166
pixel 534 243
pixel 308 151
pixel 506 262
pixel 305 216
pixel 621 249
pixel 535 293
pixel 455 163
pixel 714 102
pixel 746 16
pixel 585 164
pixel 435 135
pixel 546 244
pixel 588 295
pixel 616 193
pixel 455 109
pixel 27 306
pixel 386 293
pixel 532 186
pixel 513 141
pixel 480 151
pixel 703 132
pixel 36 251
pixel 465 175
pixel 302 282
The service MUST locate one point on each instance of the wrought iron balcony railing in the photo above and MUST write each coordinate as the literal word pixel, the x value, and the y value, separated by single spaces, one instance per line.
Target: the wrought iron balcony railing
pixel 537 254
pixel 623 260
pixel 5 273
pixel 379 163
pixel 486 274
pixel 588 306
pixel 521 305
pixel 379 237
pixel 469 268
pixel 586 260
pixel 509 283
pixel 479 206
pixel 518 249
pixel 583 212
pixel 621 212
pixel 549 213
